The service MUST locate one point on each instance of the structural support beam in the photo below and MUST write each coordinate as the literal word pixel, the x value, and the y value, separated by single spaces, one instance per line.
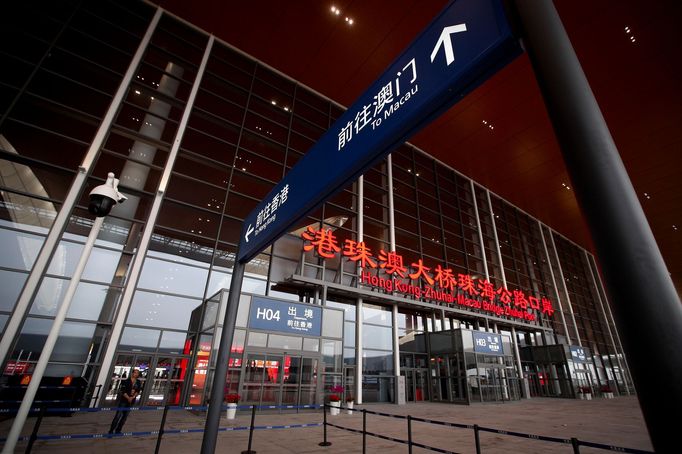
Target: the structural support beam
pixel 646 306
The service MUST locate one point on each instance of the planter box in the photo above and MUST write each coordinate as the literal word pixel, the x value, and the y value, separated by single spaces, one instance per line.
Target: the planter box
pixel 334 409
pixel 349 409
pixel 231 410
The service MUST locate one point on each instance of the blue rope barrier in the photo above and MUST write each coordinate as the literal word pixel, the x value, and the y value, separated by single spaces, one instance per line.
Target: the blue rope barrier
pixel 156 432
pixel 148 408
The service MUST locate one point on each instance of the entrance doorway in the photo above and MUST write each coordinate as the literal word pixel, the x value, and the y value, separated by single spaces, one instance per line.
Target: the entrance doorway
pixel 279 379
pixel 416 384
pixel 162 378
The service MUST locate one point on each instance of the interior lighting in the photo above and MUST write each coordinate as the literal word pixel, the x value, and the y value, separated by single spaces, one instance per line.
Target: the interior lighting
pixel 674 227
pixel 647 196
pixel 137 92
pixel 274 103
pixel 628 31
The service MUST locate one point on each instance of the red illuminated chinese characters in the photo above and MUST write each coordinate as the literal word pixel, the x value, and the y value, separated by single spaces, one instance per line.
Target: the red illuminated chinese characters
pixel 464 290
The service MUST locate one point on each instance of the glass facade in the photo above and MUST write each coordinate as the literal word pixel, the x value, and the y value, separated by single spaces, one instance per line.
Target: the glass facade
pixel 198 133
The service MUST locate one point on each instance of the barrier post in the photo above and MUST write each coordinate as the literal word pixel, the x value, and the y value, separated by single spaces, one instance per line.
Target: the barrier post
pixel 163 424
pixel 576 445
pixel 36 426
pixel 364 431
pixel 253 419
pixel 324 427
pixel 409 434
pixel 477 439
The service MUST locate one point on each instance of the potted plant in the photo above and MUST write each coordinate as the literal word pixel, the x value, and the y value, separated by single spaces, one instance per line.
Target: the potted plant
pixel 586 392
pixel 232 399
pixel 349 404
pixel 335 404
pixel 335 400
pixel 606 392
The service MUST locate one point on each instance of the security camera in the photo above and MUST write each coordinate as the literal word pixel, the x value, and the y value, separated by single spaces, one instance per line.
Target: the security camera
pixel 105 196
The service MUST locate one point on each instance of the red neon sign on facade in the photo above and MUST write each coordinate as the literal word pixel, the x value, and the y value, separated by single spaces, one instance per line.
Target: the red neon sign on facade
pixel 440 283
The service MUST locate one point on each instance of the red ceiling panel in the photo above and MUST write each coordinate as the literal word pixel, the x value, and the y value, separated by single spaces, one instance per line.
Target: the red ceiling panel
pixel 636 83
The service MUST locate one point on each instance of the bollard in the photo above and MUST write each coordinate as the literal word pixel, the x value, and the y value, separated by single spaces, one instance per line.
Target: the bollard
pixel 478 440
pixel 409 434
pixel 324 427
pixel 163 424
pixel 364 431
pixel 253 419
pixel 34 434
pixel 576 445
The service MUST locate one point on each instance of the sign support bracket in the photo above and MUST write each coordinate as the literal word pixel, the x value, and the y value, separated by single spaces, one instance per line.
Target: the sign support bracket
pixel 208 443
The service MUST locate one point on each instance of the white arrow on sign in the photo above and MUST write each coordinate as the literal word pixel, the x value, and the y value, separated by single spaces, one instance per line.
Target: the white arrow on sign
pixel 446 42
pixel 249 231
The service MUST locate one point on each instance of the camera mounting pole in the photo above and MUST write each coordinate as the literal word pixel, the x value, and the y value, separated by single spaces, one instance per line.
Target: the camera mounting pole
pixel 102 199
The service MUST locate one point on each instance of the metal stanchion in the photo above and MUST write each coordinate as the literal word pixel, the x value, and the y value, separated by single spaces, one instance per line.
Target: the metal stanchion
pixel 253 419
pixel 576 445
pixel 324 427
pixel 163 424
pixel 364 431
pixel 409 434
pixel 477 438
pixel 36 426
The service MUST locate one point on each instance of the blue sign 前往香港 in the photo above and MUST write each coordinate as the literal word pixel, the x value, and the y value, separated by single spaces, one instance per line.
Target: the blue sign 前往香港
pixel 463 46
pixel 578 354
pixel 488 343
pixel 285 317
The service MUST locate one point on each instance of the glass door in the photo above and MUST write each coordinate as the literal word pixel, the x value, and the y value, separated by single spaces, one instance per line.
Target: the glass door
pixel 279 380
pixel 272 377
pixel 421 385
pixel 309 382
pixel 254 366
pixel 440 378
pixel 166 381
pixel 124 364
pixel 291 380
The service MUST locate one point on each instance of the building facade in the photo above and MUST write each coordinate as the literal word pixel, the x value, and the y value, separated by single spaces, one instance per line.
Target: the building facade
pixel 417 271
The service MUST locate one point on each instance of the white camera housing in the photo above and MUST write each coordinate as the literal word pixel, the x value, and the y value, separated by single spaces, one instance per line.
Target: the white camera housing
pixel 105 196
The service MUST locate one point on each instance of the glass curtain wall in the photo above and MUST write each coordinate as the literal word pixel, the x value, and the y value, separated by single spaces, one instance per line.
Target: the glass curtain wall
pixel 248 125
pixel 63 64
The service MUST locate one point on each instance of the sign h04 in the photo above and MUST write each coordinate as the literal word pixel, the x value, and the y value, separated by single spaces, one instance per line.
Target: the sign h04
pixel 463 46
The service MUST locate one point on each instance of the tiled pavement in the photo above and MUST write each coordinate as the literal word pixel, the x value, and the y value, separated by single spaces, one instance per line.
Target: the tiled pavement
pixel 616 422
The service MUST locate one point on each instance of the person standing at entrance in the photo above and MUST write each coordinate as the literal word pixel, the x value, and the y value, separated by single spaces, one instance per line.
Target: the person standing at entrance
pixel 130 388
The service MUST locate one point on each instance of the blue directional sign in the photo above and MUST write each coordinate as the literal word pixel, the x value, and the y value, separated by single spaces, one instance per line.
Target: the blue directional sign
pixel 578 354
pixel 463 46
pixel 488 343
pixel 274 315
